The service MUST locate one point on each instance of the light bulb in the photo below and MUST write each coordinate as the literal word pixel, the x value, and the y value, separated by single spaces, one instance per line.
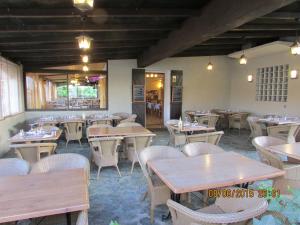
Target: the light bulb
pixel 295 48
pixel 85 58
pixel 250 78
pixel 85 68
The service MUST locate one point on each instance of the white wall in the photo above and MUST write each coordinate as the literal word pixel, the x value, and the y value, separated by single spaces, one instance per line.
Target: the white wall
pixel 242 94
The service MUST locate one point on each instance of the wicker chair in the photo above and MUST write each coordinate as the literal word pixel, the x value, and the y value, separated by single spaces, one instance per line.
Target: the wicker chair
pixel 104 151
pixel 292 170
pixel 255 128
pixel 73 131
pixel 211 137
pixel 175 138
pixel 135 145
pixel 101 121
pixel 158 192
pixel 82 218
pixel 129 124
pixel 131 118
pixel 223 211
pixel 287 132
pixel 122 115
pixel 33 152
pixel 13 167
pixel 200 148
pixel 238 121
pixel 209 120
pixel 60 162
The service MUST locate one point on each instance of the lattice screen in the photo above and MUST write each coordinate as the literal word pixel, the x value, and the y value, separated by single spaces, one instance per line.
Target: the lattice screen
pixel 272 83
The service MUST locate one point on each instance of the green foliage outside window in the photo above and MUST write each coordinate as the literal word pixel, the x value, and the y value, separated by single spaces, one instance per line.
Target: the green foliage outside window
pixel 62 91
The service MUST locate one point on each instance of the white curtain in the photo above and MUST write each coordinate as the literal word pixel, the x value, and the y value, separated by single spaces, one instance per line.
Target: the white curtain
pixel 10 88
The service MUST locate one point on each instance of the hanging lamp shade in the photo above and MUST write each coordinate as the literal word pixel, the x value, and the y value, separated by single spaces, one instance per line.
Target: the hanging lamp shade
pixel 85 58
pixel 84 42
pixel 295 48
pixel 243 60
pixel 84 5
pixel 209 66
pixel 85 68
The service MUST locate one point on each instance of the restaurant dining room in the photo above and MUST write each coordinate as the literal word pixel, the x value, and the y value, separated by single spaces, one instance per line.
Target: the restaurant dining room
pixel 139 112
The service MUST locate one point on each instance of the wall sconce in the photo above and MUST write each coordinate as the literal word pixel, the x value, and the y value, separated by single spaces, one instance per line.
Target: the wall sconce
pixel 250 78
pixel 294 74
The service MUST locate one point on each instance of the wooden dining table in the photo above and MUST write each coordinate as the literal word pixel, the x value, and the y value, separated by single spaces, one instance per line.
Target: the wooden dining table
pixel 117 131
pixel 211 171
pixel 32 137
pixel 43 194
pixel 192 128
pixel 289 150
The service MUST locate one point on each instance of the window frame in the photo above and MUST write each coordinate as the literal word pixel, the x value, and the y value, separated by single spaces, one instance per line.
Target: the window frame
pixel 67 73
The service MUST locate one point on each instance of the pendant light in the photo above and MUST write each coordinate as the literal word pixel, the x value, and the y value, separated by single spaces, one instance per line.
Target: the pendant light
pixel 84 5
pixel 85 58
pixel 85 68
pixel 84 42
pixel 295 47
pixel 243 59
pixel 209 65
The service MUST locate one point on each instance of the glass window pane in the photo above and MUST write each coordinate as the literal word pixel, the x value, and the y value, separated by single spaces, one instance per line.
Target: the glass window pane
pixel 46 91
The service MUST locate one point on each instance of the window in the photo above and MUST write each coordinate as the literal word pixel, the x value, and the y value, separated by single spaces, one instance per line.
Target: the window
pixel 66 91
pixel 10 88
pixel 272 83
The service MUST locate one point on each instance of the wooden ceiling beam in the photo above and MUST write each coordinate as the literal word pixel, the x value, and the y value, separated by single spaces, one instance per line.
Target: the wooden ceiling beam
pixel 283 15
pixel 268 27
pixel 6 13
pixel 47 28
pixel 212 20
pixel 72 47
pixel 255 34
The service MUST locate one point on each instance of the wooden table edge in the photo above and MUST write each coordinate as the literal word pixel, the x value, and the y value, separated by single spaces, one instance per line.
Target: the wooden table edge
pixel 226 184
pixel 271 149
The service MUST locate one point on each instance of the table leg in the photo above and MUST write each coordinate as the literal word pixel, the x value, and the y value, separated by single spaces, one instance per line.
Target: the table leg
pixel 176 198
pixel 68 215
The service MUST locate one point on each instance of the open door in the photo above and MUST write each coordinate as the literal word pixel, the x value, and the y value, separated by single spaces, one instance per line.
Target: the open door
pixel 176 94
pixel 138 95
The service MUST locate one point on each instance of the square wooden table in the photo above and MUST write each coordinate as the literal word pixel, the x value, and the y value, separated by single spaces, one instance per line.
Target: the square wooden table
pixel 290 150
pixel 35 138
pixel 117 131
pixel 43 194
pixel 183 175
pixel 191 128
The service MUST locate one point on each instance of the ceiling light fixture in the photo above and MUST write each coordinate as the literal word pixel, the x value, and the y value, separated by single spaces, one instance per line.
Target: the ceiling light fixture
pixel 85 58
pixel 85 68
pixel 84 5
pixel 209 65
pixel 243 59
pixel 84 42
pixel 250 78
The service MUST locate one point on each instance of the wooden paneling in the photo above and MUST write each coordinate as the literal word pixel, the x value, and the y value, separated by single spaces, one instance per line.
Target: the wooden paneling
pixel 138 108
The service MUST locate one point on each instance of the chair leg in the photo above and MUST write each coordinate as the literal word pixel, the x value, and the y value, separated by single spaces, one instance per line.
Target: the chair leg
pixel 99 168
pixel 144 196
pixel 132 166
pixel 118 171
pixel 80 143
pixel 151 214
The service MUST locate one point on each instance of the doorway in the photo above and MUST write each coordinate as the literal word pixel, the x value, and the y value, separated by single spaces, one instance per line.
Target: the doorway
pixel 154 99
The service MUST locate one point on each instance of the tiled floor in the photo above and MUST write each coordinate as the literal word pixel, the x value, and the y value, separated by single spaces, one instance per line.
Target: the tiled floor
pixel 118 198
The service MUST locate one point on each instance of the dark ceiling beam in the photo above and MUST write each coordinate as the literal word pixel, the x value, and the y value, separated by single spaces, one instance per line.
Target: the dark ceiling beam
pixel 72 46
pixel 68 54
pixel 283 15
pixel 235 41
pixel 197 29
pixel 190 53
pixel 55 71
pixel 256 34
pixel 268 27
pixel 95 13
pixel 47 28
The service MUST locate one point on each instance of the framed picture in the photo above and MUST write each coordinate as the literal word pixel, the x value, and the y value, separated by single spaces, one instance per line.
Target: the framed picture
pixel 138 93
pixel 177 94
